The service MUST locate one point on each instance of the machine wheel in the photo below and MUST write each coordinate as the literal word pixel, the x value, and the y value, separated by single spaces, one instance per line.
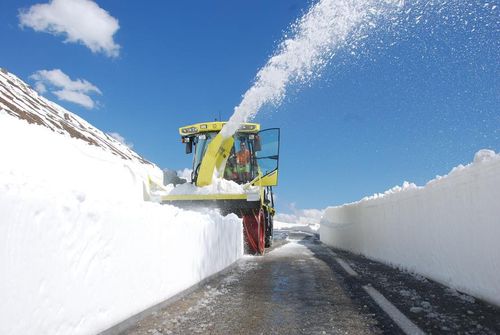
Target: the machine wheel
pixel 269 229
pixel 254 229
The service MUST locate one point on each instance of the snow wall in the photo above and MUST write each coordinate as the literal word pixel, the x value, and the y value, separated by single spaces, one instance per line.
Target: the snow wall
pixel 80 251
pixel 447 231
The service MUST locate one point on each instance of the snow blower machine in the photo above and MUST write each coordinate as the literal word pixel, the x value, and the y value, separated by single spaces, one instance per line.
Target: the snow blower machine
pixel 249 158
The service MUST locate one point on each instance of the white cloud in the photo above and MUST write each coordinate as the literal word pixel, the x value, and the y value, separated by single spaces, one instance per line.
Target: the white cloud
pixel 40 87
pixel 60 79
pixel 65 88
pixel 76 97
pixel 121 139
pixel 301 216
pixel 80 21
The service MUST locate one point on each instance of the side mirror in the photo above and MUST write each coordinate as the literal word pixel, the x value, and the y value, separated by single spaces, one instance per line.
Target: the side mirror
pixel 256 143
pixel 189 147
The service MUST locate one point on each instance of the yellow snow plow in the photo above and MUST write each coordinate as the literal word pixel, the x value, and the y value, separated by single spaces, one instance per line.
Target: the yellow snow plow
pixel 249 159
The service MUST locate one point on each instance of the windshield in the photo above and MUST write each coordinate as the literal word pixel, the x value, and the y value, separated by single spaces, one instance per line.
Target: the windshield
pixel 241 166
pixel 201 143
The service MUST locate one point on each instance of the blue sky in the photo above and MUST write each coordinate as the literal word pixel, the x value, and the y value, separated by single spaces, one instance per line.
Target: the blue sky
pixel 411 103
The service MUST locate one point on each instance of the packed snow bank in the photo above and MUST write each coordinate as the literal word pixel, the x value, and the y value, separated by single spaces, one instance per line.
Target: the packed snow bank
pixel 79 248
pixel 447 231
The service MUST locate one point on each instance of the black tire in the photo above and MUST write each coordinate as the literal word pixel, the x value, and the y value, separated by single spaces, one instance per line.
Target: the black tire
pixel 269 229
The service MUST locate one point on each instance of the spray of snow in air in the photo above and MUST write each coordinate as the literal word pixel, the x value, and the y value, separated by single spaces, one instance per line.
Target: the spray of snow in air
pixel 328 26
pixel 333 27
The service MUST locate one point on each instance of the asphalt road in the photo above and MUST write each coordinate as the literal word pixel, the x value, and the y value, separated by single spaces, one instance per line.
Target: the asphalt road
pixel 302 287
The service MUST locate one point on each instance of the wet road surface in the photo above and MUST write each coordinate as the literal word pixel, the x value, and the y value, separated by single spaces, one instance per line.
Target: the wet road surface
pixel 288 291
pixel 303 287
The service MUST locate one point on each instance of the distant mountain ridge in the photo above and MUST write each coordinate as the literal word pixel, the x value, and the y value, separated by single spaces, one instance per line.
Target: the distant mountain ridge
pixel 19 100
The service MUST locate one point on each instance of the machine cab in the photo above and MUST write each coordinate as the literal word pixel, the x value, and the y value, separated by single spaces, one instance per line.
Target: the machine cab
pixel 252 155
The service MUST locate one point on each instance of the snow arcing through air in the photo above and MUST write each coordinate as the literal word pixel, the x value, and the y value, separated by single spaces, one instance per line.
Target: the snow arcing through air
pixel 331 27
pixel 327 27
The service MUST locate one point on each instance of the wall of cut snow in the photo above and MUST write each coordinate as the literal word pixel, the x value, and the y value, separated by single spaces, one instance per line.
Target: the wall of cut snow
pixel 447 231
pixel 79 248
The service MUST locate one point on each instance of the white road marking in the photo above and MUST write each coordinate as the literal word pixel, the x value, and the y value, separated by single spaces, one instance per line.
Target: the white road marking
pixel 401 320
pixel 331 252
pixel 346 267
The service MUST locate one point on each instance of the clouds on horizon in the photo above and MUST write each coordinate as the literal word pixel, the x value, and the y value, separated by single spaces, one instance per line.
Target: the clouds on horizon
pixel 301 216
pixel 64 88
pixel 80 21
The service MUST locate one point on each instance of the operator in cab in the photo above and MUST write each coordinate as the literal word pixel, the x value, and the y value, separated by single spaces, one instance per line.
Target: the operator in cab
pixel 243 162
pixel 231 171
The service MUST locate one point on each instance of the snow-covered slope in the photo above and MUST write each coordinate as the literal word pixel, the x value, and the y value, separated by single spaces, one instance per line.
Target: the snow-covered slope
pixel 80 249
pixel 19 100
pixel 79 155
pixel 447 230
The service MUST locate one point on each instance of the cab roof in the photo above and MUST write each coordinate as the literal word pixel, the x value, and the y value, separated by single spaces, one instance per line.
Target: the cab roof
pixel 216 126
